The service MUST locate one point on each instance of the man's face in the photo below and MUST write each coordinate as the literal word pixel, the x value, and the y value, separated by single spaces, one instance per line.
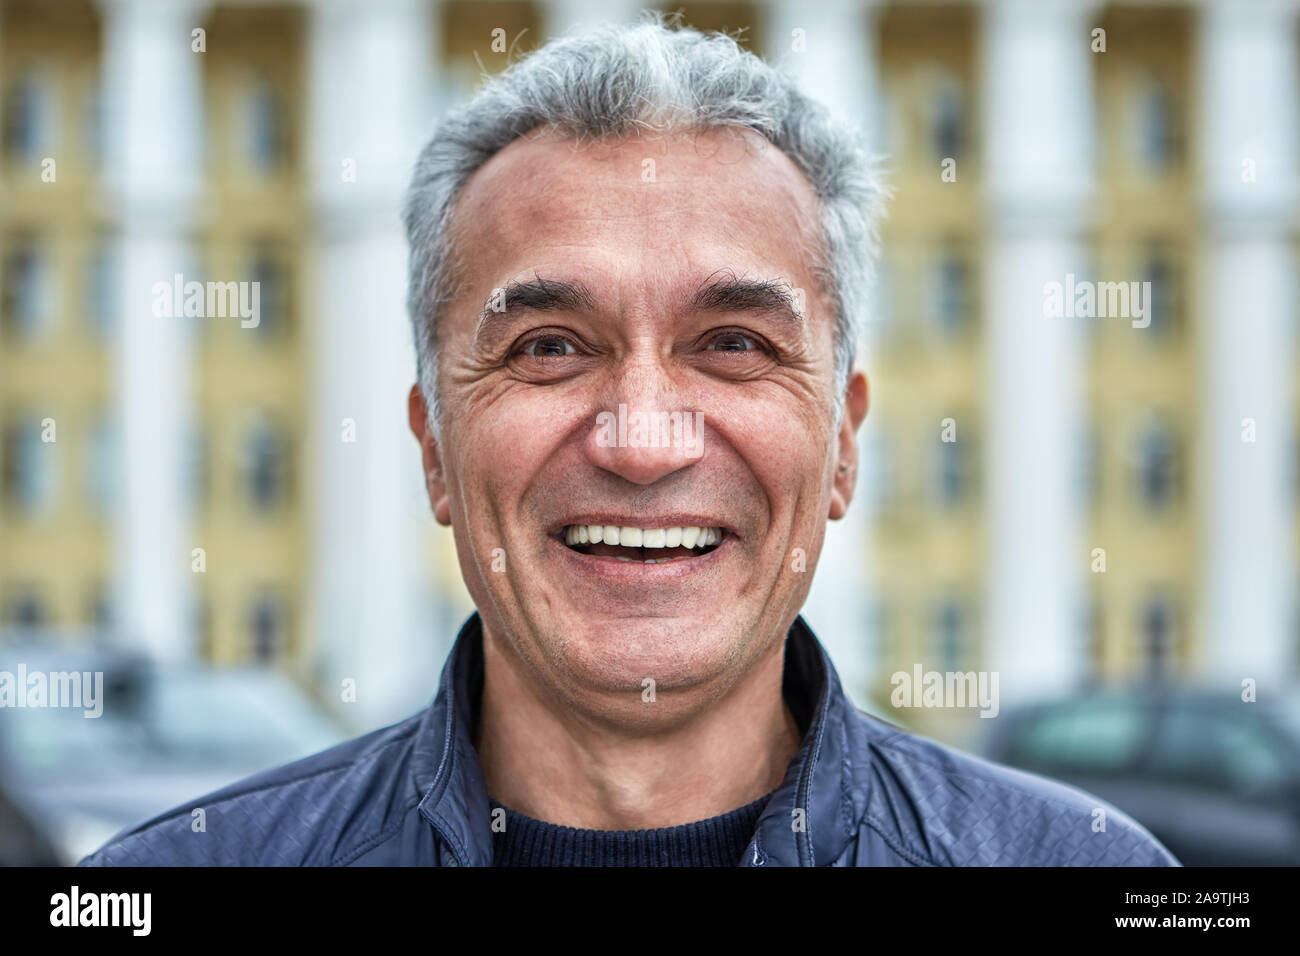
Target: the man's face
pixel 649 276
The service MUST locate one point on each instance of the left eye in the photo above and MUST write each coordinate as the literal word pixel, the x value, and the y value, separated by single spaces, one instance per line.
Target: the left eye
pixel 549 346
pixel 733 342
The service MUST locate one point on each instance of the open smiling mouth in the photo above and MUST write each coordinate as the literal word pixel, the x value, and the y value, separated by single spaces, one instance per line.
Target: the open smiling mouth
pixel 645 545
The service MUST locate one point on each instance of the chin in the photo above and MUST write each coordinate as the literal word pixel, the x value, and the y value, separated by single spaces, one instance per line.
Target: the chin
pixel 619 655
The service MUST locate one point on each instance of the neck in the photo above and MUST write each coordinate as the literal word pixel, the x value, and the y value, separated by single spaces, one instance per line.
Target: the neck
pixel 701 758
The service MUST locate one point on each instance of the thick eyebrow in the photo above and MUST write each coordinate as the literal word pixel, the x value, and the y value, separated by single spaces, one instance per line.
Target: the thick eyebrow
pixel 729 293
pixel 543 295
pixel 722 292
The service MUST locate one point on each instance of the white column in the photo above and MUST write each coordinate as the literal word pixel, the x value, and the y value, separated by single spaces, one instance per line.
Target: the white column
pixel 1248 70
pixel 563 16
pixel 153 116
pixel 828 46
pixel 1038 91
pixel 370 80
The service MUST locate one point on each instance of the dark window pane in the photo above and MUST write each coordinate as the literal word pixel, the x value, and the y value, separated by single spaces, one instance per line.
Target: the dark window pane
pixel 25 304
pixel 950 294
pixel 1164 302
pixel 28 467
pixel 267 628
pixel 1159 141
pixel 954 471
pixel 27 610
pixel 272 289
pixel 949 635
pixel 27 120
pixel 1159 467
pixel 948 130
pixel 1159 638
pixel 267 467
pixel 267 143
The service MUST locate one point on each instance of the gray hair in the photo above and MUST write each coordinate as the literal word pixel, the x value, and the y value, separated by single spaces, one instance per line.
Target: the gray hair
pixel 620 80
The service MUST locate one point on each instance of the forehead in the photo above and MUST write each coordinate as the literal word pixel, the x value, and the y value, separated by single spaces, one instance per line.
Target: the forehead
pixel 678 203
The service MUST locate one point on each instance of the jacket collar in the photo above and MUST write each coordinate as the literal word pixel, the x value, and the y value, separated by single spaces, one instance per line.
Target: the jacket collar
pixel 809 821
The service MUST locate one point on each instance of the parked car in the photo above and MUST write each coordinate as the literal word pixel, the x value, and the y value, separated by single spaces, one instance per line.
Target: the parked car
pixel 70 782
pixel 1216 779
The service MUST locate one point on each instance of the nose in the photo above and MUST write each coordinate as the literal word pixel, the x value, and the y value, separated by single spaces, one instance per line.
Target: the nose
pixel 641 433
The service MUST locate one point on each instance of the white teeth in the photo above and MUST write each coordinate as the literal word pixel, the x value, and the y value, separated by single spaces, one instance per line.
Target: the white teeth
pixel 629 537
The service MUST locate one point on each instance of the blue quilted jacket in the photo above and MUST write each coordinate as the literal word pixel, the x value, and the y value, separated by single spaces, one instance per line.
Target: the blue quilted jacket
pixel 413 795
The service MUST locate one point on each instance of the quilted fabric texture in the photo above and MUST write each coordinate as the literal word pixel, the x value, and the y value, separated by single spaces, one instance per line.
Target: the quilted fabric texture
pixel 858 793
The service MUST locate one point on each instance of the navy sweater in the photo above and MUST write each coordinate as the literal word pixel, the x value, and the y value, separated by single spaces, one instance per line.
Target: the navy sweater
pixel 718 841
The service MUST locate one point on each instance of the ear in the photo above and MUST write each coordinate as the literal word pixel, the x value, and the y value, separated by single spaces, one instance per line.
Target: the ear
pixel 856 400
pixel 434 482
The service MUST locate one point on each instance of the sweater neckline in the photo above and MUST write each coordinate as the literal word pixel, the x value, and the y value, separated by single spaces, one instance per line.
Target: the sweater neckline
pixel 519 840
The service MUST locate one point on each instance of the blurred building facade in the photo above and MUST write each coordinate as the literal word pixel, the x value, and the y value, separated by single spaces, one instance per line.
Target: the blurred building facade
pixel 1061 500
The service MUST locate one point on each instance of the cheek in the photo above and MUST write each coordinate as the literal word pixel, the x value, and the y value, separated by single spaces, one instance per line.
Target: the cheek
pixel 504 441
pixel 784 444
pixel 502 448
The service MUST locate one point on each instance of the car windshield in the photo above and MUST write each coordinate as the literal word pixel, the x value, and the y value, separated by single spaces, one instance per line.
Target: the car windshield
pixel 59 742
pixel 210 719
pixel 1288 713
pixel 235 718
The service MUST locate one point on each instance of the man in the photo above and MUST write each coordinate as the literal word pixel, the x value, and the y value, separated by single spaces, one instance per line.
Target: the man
pixel 637 269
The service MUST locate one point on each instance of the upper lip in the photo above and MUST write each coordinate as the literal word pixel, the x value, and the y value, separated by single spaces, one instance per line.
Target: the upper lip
pixel 674 520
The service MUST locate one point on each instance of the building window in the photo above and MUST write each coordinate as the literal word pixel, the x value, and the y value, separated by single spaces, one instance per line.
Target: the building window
pixel 272 288
pixel 1158 136
pixel 266 476
pixel 1163 302
pixel 25 296
pixel 27 119
pixel 950 294
pixel 947 119
pixel 948 635
pixel 1158 472
pixel 28 469
pixel 26 609
pixel 954 471
pixel 267 132
pixel 267 628
pixel 1158 637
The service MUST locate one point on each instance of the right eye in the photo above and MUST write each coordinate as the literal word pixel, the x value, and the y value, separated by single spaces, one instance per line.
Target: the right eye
pixel 548 346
